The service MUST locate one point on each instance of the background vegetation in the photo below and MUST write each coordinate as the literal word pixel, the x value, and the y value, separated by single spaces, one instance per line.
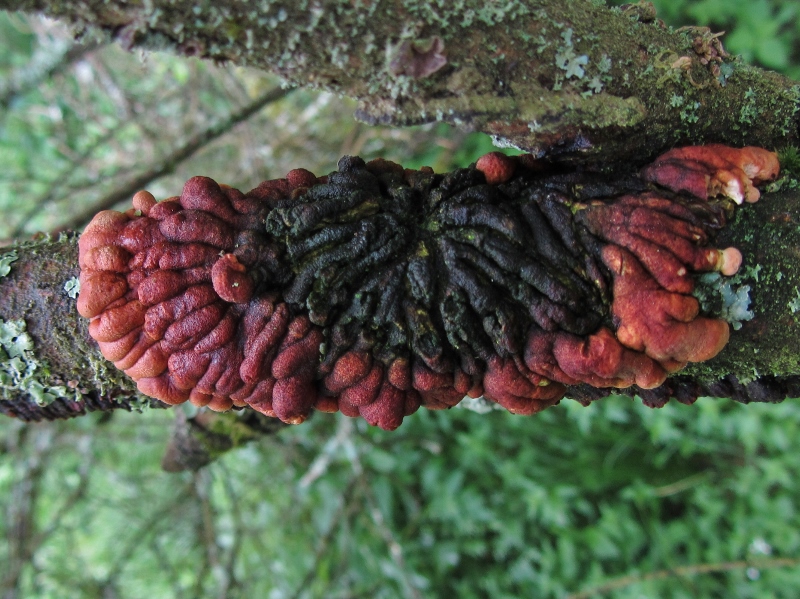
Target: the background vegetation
pixel 616 499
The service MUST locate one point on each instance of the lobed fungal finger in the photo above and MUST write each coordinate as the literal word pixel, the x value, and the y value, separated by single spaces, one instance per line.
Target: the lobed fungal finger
pixel 714 169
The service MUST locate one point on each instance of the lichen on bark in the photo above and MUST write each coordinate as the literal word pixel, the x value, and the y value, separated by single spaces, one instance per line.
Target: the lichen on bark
pixel 64 375
pixel 571 78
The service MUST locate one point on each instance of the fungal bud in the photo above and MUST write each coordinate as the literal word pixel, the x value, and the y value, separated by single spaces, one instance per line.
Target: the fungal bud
pixel 729 261
pixel 377 290
pixel 496 167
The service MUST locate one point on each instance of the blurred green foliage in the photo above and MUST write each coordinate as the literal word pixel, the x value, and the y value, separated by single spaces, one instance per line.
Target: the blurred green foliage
pixel 452 504
pixel 763 32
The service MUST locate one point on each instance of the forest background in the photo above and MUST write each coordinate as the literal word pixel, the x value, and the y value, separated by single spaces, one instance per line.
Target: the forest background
pixel 615 500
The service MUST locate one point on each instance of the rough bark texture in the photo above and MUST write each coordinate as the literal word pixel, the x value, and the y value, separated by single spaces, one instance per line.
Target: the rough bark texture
pixel 62 374
pixel 570 78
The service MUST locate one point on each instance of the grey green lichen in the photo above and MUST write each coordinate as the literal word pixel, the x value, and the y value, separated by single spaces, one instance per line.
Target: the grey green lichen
pixel 21 371
pixel 5 262
pixel 73 287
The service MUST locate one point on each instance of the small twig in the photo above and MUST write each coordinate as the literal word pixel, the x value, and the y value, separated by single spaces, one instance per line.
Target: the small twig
pixel 320 464
pixel 21 526
pixel 43 65
pixel 239 529
pixel 84 446
pixel 207 533
pixel 168 564
pixel 169 163
pixel 682 571
pixel 379 522
pixel 160 515
pixel 345 509
pixel 57 184
pixel 682 485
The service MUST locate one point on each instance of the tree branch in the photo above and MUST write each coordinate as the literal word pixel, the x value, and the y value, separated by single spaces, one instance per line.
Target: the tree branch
pixel 760 363
pixel 569 78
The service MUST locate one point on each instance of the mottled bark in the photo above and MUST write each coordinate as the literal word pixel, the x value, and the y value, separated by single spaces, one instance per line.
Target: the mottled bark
pixel 58 372
pixel 570 78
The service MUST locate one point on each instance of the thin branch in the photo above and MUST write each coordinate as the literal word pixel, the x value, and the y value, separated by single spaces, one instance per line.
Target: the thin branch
pixel 160 515
pixel 380 524
pixel 22 510
pixel 346 508
pixel 168 164
pixel 239 528
pixel 84 446
pixel 43 65
pixel 57 185
pixel 684 571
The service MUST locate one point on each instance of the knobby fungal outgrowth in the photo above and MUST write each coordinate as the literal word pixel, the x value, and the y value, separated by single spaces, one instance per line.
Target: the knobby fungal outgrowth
pixel 376 289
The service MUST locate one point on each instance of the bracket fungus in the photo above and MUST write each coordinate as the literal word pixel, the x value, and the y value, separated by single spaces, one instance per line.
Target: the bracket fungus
pixel 376 289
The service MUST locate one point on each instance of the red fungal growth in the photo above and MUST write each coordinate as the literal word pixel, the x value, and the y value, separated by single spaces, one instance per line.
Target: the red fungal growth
pixel 230 300
pixel 496 167
pixel 231 281
pixel 663 325
pixel 712 170
pixel 518 389
pixel 665 236
pixel 599 360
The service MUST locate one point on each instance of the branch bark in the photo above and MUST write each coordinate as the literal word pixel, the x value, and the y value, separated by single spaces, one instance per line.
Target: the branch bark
pixel 571 79
pixel 559 78
pixel 760 363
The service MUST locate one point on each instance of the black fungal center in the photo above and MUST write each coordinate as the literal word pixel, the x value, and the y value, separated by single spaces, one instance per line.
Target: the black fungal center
pixel 445 266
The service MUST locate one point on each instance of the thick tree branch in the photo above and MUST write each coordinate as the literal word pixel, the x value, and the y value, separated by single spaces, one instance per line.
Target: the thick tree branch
pixel 548 76
pixel 760 363
pixel 574 79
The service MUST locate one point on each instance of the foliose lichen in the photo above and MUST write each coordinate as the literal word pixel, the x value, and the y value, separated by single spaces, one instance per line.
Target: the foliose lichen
pixel 20 370
pixel 5 262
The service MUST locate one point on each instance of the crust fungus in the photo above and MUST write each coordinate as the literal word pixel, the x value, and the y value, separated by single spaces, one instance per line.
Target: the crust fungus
pixel 376 290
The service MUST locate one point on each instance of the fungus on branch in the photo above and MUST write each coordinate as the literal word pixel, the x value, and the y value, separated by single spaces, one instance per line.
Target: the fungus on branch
pixel 377 289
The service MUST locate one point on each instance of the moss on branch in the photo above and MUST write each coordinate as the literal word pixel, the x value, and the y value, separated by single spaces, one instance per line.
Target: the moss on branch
pixel 553 77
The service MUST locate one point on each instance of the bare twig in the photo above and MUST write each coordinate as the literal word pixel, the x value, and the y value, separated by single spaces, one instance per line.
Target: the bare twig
pixel 345 509
pixel 167 164
pixel 683 571
pixel 380 524
pixel 22 509
pixel 84 446
pixel 159 516
pixel 44 64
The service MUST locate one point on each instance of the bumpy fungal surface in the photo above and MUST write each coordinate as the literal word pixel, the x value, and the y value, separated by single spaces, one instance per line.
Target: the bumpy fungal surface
pixel 376 289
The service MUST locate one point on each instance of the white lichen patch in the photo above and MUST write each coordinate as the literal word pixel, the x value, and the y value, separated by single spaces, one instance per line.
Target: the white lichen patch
pixel 20 370
pixel 6 261
pixel 478 404
pixel 73 287
pixel 724 298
